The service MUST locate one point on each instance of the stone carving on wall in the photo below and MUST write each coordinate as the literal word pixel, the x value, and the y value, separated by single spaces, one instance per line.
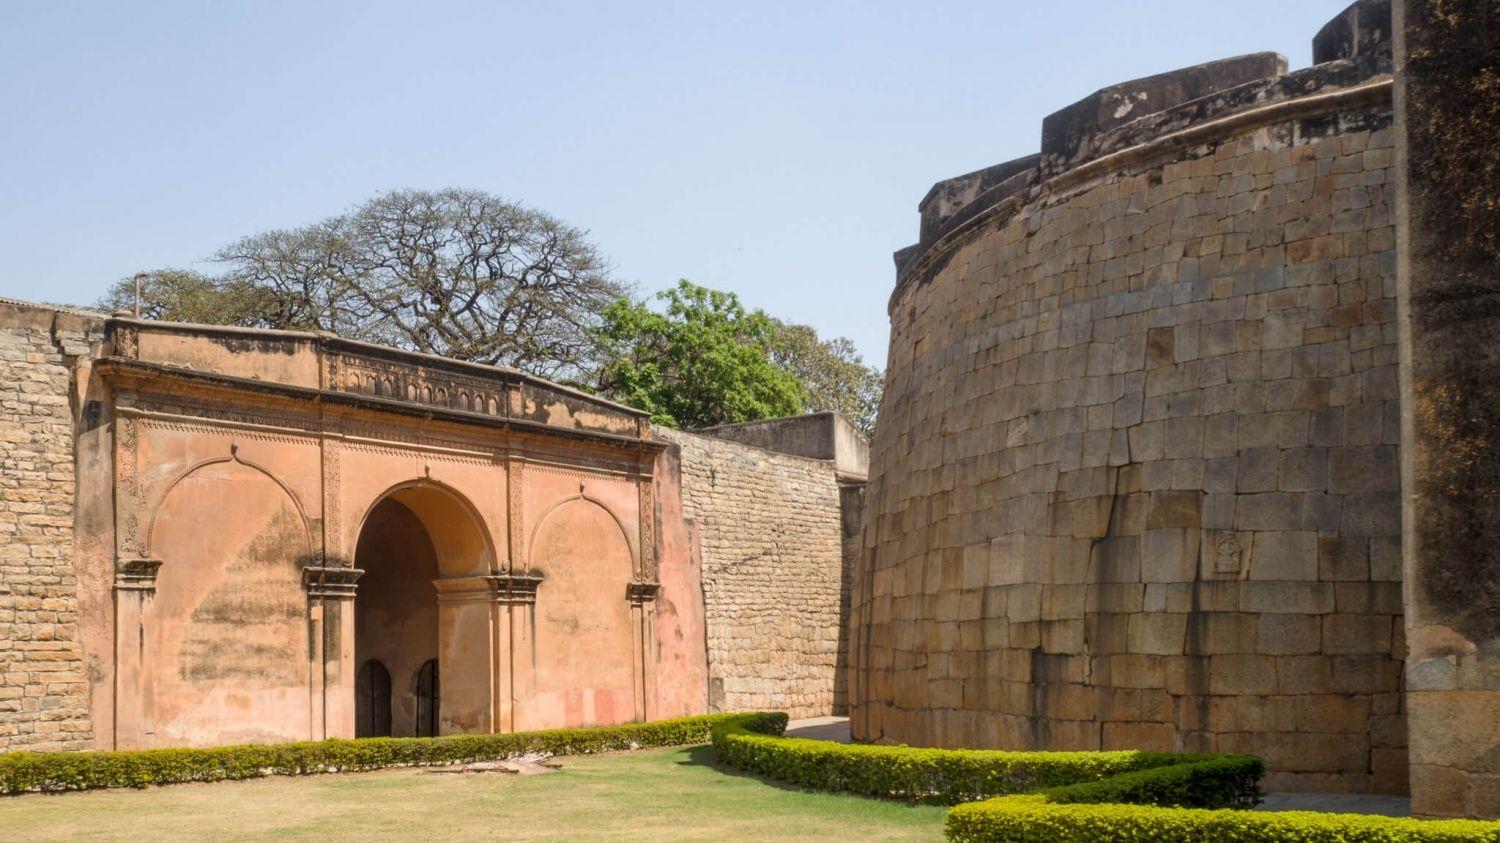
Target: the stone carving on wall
pixel 1226 552
pixel 401 381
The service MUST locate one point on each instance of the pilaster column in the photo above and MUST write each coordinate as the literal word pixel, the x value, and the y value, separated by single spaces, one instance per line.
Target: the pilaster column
pixel 330 650
pixel 135 586
pixel 642 596
pixel 483 650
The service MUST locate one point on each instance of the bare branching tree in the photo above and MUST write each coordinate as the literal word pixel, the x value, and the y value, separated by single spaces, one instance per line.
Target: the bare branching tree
pixel 459 273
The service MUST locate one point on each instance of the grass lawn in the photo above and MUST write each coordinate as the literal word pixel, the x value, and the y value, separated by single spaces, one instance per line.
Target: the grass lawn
pixel 664 794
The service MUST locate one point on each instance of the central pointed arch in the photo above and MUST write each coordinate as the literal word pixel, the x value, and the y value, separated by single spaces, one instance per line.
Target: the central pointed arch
pixel 415 534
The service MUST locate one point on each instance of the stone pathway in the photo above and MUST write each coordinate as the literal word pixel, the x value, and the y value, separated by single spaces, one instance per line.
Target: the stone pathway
pixel 820 729
pixel 837 729
pixel 1338 803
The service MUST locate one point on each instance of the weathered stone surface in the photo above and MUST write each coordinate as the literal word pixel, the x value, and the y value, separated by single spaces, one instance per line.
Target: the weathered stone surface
pixel 774 574
pixel 1163 373
pixel 44 693
pixel 1448 116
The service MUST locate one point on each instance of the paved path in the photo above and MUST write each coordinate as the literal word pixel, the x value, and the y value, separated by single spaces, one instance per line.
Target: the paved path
pixel 820 728
pixel 837 729
pixel 1338 803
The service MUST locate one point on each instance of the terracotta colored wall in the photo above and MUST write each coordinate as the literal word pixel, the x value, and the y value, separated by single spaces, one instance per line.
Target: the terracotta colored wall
pixel 681 636
pixel 583 625
pixel 229 660
pixel 1135 479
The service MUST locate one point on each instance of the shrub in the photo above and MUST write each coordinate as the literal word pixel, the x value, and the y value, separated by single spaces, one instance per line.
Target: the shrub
pixel 1067 796
pixel 1034 819
pixel 952 776
pixel 23 772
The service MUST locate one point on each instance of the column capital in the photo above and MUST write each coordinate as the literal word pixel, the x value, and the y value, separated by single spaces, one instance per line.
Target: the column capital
pixel 496 588
pixel 640 592
pixel 136 573
pixel 336 583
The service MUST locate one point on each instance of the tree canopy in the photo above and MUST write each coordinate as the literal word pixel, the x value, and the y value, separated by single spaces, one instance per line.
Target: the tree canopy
pixel 833 374
pixel 459 273
pixel 702 360
pixel 468 275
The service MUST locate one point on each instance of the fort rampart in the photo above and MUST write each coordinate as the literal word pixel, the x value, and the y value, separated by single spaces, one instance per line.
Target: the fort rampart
pixel 1136 480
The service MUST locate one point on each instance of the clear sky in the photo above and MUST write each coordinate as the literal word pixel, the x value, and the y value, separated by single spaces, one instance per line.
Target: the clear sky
pixel 773 149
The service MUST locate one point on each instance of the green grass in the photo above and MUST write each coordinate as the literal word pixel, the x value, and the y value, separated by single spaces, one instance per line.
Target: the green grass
pixel 665 794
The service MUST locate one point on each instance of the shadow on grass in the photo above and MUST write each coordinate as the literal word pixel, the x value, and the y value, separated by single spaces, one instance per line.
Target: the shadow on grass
pixel 703 756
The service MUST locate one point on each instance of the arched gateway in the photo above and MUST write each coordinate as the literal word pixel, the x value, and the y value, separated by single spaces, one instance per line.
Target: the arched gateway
pixel 317 538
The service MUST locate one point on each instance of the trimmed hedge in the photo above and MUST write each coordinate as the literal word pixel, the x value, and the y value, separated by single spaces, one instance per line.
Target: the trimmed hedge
pixel 953 776
pixel 25 772
pixel 1034 819
pixel 1067 796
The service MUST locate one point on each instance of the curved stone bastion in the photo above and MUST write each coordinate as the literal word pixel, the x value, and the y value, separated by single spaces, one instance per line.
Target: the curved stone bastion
pixel 1135 483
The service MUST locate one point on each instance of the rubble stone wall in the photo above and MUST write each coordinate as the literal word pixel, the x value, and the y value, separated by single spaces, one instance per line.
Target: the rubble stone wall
pixel 773 578
pixel 1136 482
pixel 44 694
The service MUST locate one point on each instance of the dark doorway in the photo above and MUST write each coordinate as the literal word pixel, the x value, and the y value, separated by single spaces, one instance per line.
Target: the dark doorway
pixel 372 701
pixel 395 613
pixel 427 700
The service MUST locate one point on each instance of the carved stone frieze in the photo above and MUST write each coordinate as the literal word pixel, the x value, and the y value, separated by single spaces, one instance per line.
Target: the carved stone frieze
pixel 401 381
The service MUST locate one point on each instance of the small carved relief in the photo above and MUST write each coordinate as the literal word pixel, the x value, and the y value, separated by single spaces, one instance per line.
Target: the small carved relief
pixel 126 341
pixel 1225 553
pixel 127 480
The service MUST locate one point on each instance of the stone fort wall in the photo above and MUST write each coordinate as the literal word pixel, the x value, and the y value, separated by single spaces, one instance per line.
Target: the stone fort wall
pixel 44 696
pixel 1135 483
pixel 774 582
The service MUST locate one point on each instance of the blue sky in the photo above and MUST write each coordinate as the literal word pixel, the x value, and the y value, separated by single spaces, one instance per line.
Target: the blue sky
pixel 773 149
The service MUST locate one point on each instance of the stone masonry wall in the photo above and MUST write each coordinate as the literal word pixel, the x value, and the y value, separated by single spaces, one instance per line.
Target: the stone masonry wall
pixel 772 573
pixel 43 690
pixel 1135 483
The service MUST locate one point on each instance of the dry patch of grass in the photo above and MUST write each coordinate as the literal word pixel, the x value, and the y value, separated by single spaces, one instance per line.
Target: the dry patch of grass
pixel 669 794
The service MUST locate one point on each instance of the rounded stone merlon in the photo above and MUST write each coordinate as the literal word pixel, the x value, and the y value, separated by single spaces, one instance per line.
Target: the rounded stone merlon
pixel 1362 28
pixel 949 196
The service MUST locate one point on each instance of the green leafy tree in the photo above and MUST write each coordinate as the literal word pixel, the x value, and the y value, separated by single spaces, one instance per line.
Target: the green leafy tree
pixel 701 360
pixel 834 376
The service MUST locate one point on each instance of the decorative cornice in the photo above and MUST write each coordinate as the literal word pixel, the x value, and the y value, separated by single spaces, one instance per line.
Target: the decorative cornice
pixel 128 373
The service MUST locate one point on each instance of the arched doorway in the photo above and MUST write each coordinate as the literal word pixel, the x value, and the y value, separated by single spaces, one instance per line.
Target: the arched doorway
pixel 428 694
pixel 395 618
pixel 415 534
pixel 372 701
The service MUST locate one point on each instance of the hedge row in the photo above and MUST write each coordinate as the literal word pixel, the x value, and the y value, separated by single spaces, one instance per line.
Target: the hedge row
pixel 952 776
pixel 1067 796
pixel 1035 819
pixel 24 772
